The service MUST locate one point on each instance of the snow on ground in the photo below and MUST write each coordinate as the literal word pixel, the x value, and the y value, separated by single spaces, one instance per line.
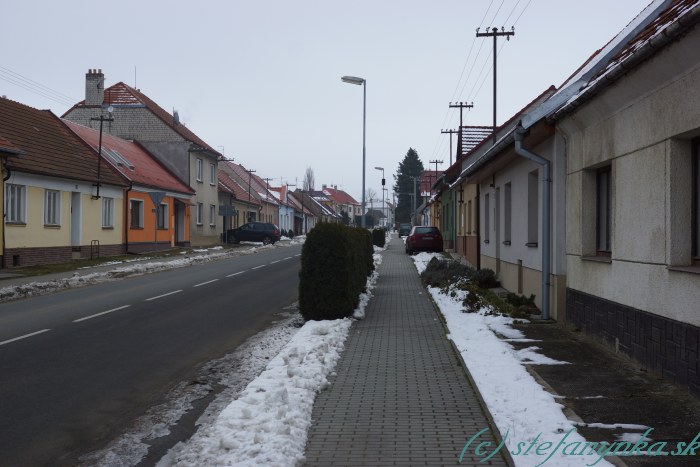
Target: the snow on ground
pixel 267 424
pixel 523 411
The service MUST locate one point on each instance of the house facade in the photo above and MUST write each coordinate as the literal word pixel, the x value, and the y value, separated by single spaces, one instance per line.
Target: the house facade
pixel 157 203
pixel 633 197
pixel 56 207
pixel 136 117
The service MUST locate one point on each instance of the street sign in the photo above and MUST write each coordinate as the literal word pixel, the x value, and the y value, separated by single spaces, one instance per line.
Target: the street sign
pixel 157 197
pixel 227 211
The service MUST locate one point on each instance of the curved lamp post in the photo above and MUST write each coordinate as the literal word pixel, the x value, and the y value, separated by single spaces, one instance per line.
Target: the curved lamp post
pixel 361 82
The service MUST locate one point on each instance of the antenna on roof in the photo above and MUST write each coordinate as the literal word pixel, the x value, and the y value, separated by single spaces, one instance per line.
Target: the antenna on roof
pixel 135 77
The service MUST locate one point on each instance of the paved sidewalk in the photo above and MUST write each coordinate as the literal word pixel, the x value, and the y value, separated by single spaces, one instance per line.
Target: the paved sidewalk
pixel 401 396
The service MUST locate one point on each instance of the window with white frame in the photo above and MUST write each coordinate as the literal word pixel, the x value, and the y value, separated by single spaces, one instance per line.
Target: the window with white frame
pixel 107 212
pixel 198 170
pixel 200 214
pixel 507 210
pixel 212 215
pixel 163 216
pixel 136 214
pixel 15 203
pixel 487 218
pixel 52 207
pixel 212 174
pixel 533 208
pixel 603 210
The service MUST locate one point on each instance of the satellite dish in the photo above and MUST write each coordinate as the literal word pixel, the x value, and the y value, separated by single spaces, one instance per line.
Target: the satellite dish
pixel 110 109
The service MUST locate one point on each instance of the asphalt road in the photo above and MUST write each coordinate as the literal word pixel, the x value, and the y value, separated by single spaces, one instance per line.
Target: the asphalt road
pixel 77 367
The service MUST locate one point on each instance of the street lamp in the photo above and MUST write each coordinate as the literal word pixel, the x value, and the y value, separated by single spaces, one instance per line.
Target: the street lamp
pixel 361 82
pixel 382 169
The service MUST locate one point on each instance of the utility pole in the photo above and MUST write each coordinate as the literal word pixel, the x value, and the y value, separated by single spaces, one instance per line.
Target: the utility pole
pixel 267 183
pixel 436 162
pixel 495 33
pixel 101 119
pixel 452 132
pixel 461 106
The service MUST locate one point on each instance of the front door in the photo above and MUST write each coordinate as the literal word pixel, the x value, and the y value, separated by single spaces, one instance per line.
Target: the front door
pixel 75 219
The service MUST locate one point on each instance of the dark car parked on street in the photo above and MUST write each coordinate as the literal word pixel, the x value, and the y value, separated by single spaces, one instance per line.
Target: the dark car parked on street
pixel 424 239
pixel 404 229
pixel 254 232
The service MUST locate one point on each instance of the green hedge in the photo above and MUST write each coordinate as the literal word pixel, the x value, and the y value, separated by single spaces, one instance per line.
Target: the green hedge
pixel 335 263
pixel 379 237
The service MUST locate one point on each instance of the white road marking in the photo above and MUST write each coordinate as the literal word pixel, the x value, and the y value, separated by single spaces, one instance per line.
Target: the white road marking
pixel 164 295
pixel 275 262
pixel 298 254
pixel 235 274
pixel 205 283
pixel 100 314
pixel 258 267
pixel 24 336
pixel 289 257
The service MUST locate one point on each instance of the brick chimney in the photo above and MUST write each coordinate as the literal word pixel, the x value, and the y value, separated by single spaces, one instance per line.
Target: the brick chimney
pixel 94 87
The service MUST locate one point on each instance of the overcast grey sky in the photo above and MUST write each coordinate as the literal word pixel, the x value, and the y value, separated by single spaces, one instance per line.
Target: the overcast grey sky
pixel 262 78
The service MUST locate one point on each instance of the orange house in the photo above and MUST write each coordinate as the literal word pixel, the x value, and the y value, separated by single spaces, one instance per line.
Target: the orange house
pixel 156 204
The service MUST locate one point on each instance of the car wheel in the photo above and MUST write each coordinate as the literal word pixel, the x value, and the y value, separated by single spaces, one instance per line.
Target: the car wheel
pixel 267 240
pixel 233 239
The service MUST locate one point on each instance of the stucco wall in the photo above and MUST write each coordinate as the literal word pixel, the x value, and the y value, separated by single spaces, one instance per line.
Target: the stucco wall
pixel 642 126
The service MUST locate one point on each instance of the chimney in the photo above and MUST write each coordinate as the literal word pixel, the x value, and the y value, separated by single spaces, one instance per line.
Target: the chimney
pixel 323 187
pixel 94 87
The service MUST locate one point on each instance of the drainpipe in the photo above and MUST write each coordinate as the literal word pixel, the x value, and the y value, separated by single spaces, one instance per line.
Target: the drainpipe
pixel 126 216
pixel 4 179
pixel 477 222
pixel 546 222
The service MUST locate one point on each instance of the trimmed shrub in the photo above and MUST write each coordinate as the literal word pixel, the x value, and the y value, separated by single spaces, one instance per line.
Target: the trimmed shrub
pixel 290 233
pixel 440 273
pixel 486 278
pixel 335 263
pixel 379 237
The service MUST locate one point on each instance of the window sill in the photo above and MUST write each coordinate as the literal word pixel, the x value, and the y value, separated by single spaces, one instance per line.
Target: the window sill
pixel 199 224
pixel 597 259
pixel 162 228
pixel 506 242
pixel 691 269
pixel 17 223
pixel 136 228
pixel 52 226
pixel 532 244
pixel 107 227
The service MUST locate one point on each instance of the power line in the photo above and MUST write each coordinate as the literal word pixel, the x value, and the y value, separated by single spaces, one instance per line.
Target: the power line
pixel 35 87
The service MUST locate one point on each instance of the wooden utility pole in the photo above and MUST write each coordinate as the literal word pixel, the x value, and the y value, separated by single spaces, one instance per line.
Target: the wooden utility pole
pixel 461 106
pixel 451 132
pixel 495 33
pixel 250 177
pixel 430 188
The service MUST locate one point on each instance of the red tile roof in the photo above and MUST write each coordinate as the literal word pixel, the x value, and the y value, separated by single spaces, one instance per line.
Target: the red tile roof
pixel 339 196
pixel 257 184
pixel 123 95
pixel 145 169
pixel 51 148
pixel 7 147
pixel 233 187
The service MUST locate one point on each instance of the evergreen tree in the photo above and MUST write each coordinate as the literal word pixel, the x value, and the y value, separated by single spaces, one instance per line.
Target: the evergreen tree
pixel 410 167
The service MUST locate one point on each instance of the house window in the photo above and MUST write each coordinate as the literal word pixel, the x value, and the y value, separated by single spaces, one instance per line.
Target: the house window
pixel 15 203
pixel 603 210
pixel 212 215
pixel 696 202
pixel 507 210
pixel 533 208
pixel 198 170
pixel 487 218
pixel 163 216
pixel 52 207
pixel 212 174
pixel 469 217
pixel 107 212
pixel 200 214
pixel 136 216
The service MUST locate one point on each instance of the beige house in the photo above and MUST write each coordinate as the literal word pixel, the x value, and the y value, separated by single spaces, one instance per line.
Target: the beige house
pixel 131 115
pixel 633 196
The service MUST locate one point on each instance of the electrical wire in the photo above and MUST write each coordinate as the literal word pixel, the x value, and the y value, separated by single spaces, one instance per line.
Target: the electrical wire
pixel 35 87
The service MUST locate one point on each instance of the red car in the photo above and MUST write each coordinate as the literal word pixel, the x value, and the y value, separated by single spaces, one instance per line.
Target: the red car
pixel 424 239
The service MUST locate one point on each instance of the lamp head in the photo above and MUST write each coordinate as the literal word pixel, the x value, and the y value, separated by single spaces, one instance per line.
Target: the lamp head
pixel 353 80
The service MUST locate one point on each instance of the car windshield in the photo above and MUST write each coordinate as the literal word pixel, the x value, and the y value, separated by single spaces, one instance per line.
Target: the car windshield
pixel 427 230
